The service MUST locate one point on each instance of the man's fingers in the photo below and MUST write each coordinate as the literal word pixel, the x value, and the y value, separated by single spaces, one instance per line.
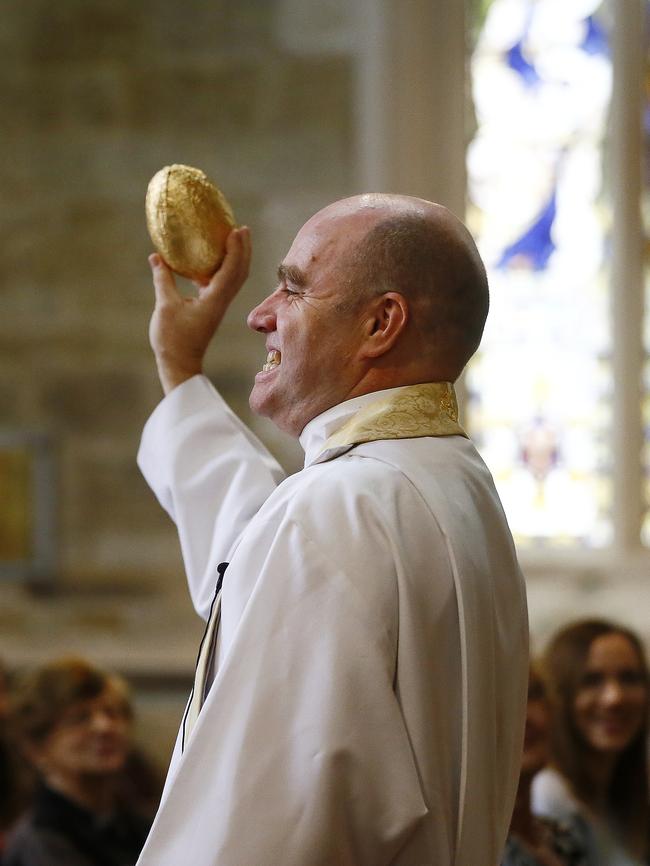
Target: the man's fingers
pixel 237 259
pixel 227 281
pixel 163 280
pixel 246 241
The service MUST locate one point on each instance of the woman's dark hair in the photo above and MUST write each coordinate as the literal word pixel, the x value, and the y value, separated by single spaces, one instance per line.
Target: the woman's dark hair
pixel 565 662
pixel 43 695
pixel 537 687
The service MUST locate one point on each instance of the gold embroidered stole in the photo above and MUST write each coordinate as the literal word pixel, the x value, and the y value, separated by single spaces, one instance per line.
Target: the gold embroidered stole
pixel 430 409
pixel 203 662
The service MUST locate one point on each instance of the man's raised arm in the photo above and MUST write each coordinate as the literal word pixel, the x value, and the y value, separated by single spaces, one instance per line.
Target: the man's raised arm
pixel 207 469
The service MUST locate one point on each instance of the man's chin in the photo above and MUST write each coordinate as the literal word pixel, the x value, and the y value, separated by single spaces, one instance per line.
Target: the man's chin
pixel 254 400
pixel 261 402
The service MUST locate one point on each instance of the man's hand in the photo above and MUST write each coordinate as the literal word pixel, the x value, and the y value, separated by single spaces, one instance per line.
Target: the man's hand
pixel 181 328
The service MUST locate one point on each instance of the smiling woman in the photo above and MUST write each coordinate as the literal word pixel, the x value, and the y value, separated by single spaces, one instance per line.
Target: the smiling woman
pixel 73 723
pixel 599 687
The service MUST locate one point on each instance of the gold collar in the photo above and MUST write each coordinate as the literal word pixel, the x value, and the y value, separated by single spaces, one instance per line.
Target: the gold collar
pixel 408 413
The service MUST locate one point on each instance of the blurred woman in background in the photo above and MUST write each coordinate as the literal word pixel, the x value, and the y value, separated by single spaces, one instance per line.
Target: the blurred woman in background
pixel 598 680
pixel 532 840
pixel 73 723
pixel 14 781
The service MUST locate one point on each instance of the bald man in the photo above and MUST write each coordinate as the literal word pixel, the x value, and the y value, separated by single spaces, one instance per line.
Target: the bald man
pixel 360 692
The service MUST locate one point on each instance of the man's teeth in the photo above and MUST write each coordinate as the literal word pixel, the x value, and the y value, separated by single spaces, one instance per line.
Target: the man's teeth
pixel 272 361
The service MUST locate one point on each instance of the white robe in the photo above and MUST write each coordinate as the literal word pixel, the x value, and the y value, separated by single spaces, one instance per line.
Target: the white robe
pixel 369 696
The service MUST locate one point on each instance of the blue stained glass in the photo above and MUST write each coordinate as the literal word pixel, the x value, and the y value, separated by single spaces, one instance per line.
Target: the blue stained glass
pixel 540 387
pixel 645 531
pixel 595 41
pixel 518 62
pixel 535 246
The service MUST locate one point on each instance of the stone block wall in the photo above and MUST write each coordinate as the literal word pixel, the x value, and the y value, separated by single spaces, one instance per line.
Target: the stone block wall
pixel 100 94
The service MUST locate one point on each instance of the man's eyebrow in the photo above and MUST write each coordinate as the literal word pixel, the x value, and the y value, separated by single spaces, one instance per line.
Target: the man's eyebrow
pixel 291 274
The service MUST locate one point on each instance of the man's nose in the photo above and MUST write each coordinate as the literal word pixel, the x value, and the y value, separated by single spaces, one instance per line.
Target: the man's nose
pixel 262 317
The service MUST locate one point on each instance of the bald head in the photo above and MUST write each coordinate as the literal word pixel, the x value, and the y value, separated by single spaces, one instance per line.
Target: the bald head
pixel 375 292
pixel 422 251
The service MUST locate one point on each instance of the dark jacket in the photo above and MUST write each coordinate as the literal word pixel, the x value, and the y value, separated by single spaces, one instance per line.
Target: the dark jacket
pixel 57 832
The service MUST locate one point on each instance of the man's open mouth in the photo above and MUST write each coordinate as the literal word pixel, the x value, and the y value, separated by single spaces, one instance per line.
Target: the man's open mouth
pixel 272 361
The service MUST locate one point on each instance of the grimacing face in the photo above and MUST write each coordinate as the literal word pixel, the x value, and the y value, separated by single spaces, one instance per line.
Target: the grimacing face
pixel 312 344
pixel 90 739
pixel 610 703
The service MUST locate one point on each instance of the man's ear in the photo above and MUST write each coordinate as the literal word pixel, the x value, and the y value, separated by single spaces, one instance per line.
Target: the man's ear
pixel 386 318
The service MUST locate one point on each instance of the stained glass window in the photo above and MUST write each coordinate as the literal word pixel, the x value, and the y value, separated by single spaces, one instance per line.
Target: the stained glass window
pixel 645 533
pixel 539 390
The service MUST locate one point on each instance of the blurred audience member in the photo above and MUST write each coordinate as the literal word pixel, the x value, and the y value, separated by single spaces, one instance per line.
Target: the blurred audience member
pixel 73 723
pixel 15 778
pixel 598 681
pixel 142 782
pixel 6 769
pixel 532 840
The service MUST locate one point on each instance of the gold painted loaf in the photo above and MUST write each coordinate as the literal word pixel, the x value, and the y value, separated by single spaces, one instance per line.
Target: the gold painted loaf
pixel 188 220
